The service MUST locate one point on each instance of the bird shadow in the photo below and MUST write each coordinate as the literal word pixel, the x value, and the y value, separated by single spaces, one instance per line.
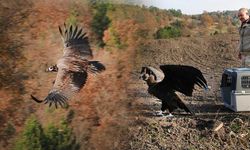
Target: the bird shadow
pixel 209 108
pixel 215 111
pixel 209 111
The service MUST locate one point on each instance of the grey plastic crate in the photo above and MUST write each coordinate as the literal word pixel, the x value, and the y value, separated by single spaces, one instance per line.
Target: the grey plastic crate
pixel 235 89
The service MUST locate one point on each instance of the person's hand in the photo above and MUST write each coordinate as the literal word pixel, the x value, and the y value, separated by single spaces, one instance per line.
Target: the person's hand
pixel 239 55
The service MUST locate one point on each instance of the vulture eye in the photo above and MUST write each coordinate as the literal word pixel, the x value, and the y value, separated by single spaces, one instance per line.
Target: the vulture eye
pixel 51 69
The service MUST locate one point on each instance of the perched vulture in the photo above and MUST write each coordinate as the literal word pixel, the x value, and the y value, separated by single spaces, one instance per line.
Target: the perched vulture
pixel 72 68
pixel 177 78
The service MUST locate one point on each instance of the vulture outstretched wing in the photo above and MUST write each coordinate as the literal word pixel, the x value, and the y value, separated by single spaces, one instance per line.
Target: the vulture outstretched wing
pixel 75 42
pixel 182 78
pixel 73 67
pixel 67 83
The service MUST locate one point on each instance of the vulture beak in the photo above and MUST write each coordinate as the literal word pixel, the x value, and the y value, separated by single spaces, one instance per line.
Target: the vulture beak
pixel 143 72
pixel 47 70
pixel 140 77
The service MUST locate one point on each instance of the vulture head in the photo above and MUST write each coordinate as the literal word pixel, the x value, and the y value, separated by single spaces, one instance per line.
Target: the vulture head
pixel 53 68
pixel 152 73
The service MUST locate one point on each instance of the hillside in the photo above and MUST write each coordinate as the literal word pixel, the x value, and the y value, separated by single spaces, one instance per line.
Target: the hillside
pixel 113 110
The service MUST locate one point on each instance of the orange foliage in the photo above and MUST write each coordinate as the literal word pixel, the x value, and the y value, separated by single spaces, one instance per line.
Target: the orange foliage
pixel 207 20
pixel 121 32
pixel 106 36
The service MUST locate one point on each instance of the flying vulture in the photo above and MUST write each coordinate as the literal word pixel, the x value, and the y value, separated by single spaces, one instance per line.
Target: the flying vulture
pixel 176 78
pixel 72 68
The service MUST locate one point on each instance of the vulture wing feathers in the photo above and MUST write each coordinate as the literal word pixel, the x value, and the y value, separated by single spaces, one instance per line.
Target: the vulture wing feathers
pixel 75 42
pixel 182 78
pixel 176 78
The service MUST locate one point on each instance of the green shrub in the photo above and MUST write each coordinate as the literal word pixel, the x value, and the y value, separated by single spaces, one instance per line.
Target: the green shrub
pixel 178 24
pixel 153 9
pixel 100 21
pixel 72 18
pixel 34 137
pixel 59 138
pixel 168 32
pixel 176 13
pixel 115 39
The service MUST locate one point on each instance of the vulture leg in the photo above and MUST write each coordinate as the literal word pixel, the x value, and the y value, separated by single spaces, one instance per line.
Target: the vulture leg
pixel 35 99
pixel 164 105
pixel 159 113
pixel 170 115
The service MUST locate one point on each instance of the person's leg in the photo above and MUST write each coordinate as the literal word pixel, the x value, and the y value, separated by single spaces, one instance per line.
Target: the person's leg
pixel 247 61
pixel 243 60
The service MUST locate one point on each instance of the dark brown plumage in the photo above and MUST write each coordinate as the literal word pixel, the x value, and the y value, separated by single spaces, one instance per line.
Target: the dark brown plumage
pixel 177 78
pixel 73 68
